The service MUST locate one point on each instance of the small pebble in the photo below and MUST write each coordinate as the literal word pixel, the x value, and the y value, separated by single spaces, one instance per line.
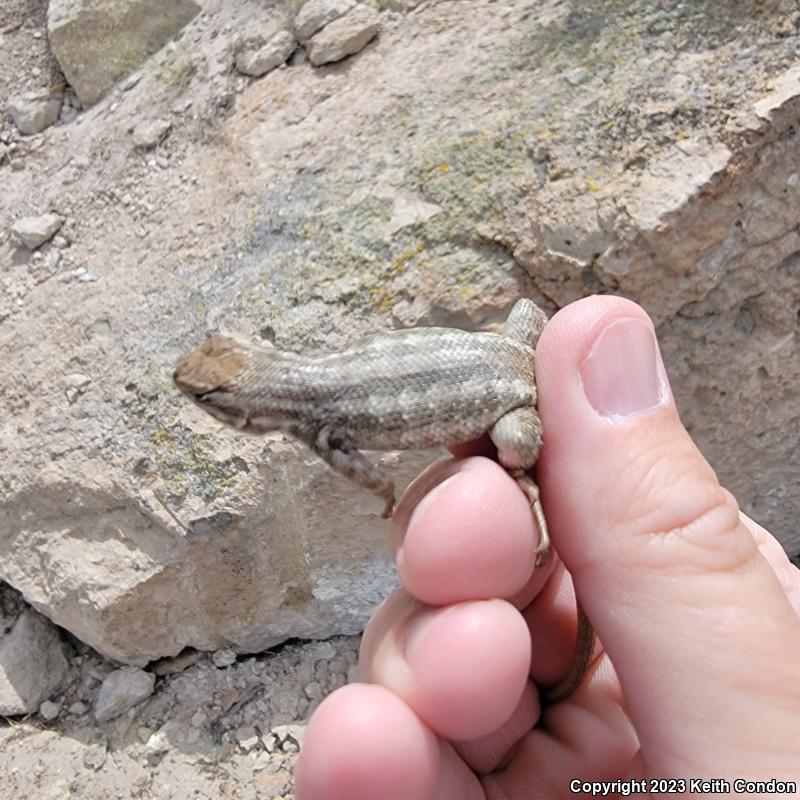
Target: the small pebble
pixel 223 658
pixel 49 710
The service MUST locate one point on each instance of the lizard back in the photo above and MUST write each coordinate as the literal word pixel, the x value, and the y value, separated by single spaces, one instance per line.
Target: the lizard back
pixel 416 388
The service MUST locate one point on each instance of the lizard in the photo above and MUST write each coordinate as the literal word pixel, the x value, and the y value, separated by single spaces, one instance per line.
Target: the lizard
pixel 406 389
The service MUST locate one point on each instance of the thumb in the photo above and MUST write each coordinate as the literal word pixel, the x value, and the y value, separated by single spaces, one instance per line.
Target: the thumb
pixel 697 626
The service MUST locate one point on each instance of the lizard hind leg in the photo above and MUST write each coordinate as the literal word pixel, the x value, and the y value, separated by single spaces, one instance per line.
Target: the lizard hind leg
pixel 353 464
pixel 527 484
pixel 518 437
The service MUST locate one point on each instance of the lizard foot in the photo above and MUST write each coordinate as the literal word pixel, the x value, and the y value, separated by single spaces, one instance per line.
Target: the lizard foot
pixel 531 490
pixel 388 510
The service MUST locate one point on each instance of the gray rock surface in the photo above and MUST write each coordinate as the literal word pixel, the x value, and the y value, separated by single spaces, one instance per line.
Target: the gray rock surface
pixel 35 111
pixel 345 36
pixel 96 42
pixel 223 658
pixel 255 60
pixel 121 690
pixel 49 710
pixel 33 664
pixel 467 160
pixel 150 133
pixel 33 232
pixel 316 14
pixel 204 733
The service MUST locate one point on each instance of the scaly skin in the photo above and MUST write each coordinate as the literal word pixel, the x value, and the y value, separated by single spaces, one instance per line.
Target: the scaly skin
pixel 416 388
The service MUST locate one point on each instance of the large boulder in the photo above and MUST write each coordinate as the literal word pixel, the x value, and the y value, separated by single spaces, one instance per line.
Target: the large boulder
pixel 468 160
pixel 96 42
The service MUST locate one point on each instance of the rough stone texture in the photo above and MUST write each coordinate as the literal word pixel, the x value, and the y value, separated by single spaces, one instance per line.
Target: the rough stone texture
pixel 206 732
pixel 49 710
pixel 316 14
pixel 150 133
pixel 96 42
pixel 463 161
pixel 33 232
pixel 35 111
pixel 257 61
pixel 122 690
pixel 344 36
pixel 33 664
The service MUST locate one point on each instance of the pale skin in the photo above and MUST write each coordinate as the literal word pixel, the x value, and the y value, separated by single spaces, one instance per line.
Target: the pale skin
pixel 696 605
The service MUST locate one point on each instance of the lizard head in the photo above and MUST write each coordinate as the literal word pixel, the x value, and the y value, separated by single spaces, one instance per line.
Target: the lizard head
pixel 207 374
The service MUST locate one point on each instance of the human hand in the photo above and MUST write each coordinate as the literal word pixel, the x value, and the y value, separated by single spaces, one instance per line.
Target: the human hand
pixel 696 605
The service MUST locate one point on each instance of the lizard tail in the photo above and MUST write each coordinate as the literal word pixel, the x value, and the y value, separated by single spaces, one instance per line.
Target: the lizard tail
pixel 584 649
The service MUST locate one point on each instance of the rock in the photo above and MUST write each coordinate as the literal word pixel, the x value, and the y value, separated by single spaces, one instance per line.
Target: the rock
pixel 223 658
pixel 95 755
pixel 33 232
pixel 247 738
pixel 49 710
pixel 76 380
pixel 147 135
pixel 35 111
pixel 78 708
pixel 258 61
pixel 80 274
pixel 33 664
pixel 131 81
pixel 156 746
pixel 122 690
pixel 344 36
pixel 289 737
pixel 180 533
pixel 75 385
pixel 96 42
pixel 316 14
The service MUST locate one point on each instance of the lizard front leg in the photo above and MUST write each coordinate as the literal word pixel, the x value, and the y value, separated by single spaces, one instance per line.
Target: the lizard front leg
pixel 334 448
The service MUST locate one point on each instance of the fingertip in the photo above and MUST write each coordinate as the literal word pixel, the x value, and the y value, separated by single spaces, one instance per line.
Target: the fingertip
pixel 466 532
pixel 454 654
pixel 364 742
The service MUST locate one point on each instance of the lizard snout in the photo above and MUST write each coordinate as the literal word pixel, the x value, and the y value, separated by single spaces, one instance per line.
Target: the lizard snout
pixel 209 367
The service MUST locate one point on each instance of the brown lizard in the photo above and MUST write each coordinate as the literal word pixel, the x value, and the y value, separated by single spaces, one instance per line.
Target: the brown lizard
pixel 414 388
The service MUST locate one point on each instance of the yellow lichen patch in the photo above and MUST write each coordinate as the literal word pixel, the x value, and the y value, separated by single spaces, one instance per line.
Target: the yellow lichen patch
pixel 160 436
pixel 176 73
